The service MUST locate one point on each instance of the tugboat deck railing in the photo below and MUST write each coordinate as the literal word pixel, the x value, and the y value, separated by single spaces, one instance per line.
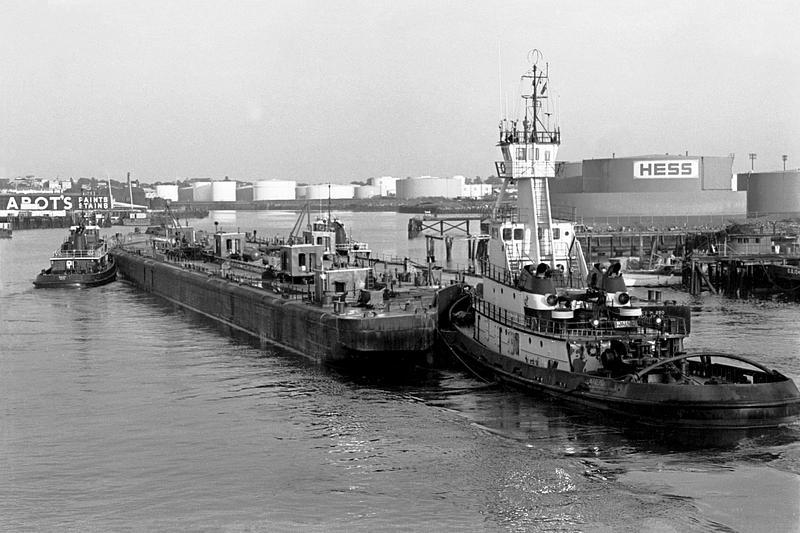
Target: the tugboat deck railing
pixel 607 327
pixel 509 277
pixel 95 253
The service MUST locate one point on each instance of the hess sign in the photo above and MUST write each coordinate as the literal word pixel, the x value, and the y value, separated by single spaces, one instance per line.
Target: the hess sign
pixel 668 168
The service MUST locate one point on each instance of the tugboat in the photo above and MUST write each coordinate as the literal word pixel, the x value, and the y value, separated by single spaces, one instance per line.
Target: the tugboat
pixel 534 321
pixel 81 261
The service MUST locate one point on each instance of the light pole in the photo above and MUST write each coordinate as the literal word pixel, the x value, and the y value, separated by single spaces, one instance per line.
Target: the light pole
pixel 784 157
pixel 752 158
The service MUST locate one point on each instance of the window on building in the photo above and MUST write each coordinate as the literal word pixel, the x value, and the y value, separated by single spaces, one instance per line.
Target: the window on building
pixel 556 233
pixel 547 155
pixel 519 234
pixel 506 234
pixel 537 154
pixel 520 153
pixel 301 260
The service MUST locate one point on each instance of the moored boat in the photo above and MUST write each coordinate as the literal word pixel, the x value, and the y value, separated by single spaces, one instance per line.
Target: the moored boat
pixel 81 261
pixel 661 276
pixel 535 321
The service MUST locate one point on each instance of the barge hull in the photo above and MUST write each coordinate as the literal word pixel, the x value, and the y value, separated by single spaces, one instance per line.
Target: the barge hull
pixel 309 330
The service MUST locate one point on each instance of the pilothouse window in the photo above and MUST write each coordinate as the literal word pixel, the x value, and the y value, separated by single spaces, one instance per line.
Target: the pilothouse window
pixel 506 234
pixel 519 234
pixel 520 153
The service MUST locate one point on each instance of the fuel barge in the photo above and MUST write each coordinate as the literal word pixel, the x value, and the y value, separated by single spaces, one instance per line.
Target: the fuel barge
pixel 329 315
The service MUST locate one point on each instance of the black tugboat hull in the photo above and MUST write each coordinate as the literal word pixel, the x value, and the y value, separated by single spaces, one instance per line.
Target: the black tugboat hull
pixel 75 280
pixel 722 406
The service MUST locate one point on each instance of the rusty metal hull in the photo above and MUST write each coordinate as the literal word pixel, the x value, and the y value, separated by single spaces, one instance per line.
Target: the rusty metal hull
pixel 721 406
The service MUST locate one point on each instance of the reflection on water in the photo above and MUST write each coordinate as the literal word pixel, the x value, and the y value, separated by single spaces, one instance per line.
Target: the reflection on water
pixel 120 412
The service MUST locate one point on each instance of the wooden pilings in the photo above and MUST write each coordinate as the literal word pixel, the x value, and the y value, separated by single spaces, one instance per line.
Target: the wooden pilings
pixel 732 276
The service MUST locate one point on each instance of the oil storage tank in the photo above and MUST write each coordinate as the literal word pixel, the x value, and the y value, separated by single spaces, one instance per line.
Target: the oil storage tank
pixel 367 191
pixel 322 191
pixel 223 191
pixel 773 193
pixel 265 190
pixel 430 186
pixel 201 191
pixel 646 189
pixel 167 192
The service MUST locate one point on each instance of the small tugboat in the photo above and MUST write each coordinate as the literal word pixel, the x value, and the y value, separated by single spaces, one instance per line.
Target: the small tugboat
pixel 528 323
pixel 81 261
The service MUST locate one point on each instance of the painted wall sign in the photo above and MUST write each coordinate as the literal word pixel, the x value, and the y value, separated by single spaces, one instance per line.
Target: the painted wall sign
pixel 668 168
pixel 12 204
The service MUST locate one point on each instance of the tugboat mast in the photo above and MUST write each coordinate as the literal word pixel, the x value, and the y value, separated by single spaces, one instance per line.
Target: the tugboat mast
pixel 528 161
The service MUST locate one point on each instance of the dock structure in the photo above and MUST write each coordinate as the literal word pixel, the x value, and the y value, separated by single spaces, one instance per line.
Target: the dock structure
pixel 742 276
pixel 441 225
pixel 642 244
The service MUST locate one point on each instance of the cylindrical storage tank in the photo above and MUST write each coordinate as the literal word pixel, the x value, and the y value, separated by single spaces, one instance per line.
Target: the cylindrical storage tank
pixel 223 191
pixel 428 186
pixel 301 192
pixel 186 194
pixel 274 190
pixel 367 191
pixel 244 193
pixel 167 192
pixel 202 191
pixel 773 193
pixel 322 190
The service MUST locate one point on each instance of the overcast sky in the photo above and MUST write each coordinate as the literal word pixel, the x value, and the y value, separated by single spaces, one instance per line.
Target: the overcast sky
pixel 341 91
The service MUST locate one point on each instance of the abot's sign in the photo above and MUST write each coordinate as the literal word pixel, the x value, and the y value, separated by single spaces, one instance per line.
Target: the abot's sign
pixel 669 168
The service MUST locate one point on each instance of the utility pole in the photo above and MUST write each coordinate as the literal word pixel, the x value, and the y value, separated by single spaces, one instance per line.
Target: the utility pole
pixel 752 158
pixel 784 157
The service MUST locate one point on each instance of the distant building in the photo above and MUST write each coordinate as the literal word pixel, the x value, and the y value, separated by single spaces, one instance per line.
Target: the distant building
pixel 167 192
pixel 476 190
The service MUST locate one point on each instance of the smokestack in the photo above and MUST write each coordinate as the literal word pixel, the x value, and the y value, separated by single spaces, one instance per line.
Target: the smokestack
pixel 130 190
